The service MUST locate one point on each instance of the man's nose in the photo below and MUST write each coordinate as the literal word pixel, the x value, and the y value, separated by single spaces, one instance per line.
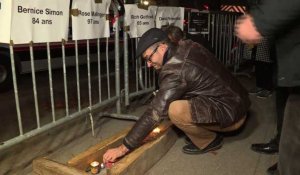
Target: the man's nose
pixel 149 64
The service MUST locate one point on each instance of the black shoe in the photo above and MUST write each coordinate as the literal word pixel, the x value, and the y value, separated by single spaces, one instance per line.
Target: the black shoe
pixel 214 145
pixel 272 170
pixel 267 148
pixel 187 140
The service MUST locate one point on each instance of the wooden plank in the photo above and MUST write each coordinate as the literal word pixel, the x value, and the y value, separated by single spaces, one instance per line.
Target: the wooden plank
pixel 42 166
pixel 95 153
pixel 142 159
pixel 133 163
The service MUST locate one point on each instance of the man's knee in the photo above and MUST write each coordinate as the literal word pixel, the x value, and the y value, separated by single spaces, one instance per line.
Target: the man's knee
pixel 178 110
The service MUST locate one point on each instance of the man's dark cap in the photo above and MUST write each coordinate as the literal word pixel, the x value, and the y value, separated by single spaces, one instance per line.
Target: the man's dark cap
pixel 149 38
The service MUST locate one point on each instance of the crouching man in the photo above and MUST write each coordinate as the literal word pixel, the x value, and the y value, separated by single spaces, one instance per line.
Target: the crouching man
pixel 196 92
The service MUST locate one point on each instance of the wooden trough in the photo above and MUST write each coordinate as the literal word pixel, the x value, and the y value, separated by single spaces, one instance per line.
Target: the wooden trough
pixel 137 162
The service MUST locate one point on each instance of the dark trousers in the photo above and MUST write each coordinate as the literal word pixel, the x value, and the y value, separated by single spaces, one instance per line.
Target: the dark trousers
pixel 264 75
pixel 289 147
pixel 282 94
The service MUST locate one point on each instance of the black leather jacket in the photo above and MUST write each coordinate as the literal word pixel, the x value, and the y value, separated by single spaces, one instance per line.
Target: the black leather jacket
pixel 194 74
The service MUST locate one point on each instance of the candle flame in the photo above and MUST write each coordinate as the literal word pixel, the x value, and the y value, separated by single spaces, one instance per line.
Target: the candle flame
pixel 156 130
pixel 95 164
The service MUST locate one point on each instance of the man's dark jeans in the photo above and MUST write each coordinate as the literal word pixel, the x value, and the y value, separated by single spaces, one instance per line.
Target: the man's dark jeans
pixel 282 94
pixel 289 147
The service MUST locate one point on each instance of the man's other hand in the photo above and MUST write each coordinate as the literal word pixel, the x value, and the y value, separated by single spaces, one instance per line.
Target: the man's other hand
pixel 245 30
pixel 113 154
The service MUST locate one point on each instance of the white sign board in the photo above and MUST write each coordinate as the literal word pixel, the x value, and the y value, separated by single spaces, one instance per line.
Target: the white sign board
pixel 39 21
pixel 5 18
pixel 138 20
pixel 168 16
pixel 91 21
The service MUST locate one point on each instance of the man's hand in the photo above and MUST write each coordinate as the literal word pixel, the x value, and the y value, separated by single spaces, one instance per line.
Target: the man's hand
pixel 245 30
pixel 111 155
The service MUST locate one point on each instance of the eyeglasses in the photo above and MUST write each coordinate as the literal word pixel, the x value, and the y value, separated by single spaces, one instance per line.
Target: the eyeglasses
pixel 148 59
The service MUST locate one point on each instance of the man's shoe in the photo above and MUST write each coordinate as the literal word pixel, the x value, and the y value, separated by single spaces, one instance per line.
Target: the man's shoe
pixel 214 145
pixel 187 140
pixel 267 148
pixel 272 170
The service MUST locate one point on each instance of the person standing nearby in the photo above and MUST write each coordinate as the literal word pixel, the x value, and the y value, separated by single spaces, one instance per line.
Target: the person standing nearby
pixel 264 55
pixel 280 20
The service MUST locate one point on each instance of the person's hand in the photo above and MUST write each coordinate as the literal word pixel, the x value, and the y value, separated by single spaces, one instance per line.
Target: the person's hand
pixel 245 30
pixel 112 155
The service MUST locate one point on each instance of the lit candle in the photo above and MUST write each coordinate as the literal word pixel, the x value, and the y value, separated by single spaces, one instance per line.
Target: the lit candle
pixel 156 130
pixel 95 167
pixel 102 166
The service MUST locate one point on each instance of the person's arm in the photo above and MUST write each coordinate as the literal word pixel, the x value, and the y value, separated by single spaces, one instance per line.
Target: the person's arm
pixel 171 88
pixel 267 20
pixel 274 16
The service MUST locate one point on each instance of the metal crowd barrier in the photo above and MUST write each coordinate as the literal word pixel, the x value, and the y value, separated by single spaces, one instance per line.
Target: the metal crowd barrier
pixel 142 79
pixel 82 109
pixel 227 47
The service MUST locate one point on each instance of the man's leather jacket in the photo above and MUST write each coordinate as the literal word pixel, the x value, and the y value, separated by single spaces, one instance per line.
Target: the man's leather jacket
pixel 194 74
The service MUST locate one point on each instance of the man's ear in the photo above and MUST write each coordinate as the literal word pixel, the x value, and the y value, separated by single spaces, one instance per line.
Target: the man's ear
pixel 162 48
